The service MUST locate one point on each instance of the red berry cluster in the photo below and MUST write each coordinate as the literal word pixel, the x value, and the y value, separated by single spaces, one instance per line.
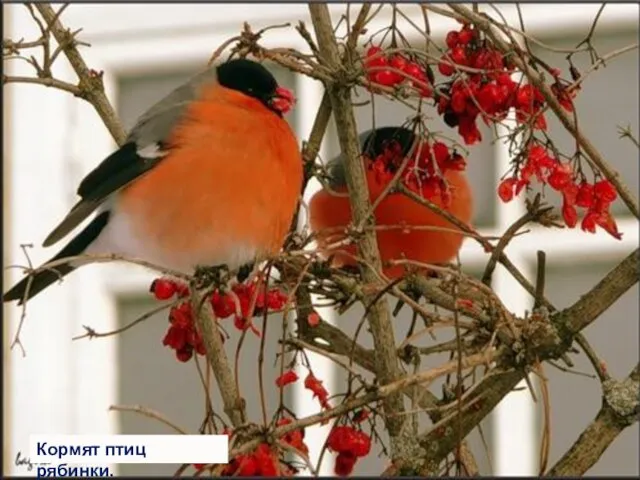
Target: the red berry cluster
pixel 263 461
pixel 224 304
pixel 385 70
pixel 424 172
pixel 350 444
pixel 490 93
pixel 596 198
pixel 294 438
pixel 182 335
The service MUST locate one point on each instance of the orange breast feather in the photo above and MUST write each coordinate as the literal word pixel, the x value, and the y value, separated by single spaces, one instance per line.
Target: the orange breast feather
pixel 232 178
pixel 426 246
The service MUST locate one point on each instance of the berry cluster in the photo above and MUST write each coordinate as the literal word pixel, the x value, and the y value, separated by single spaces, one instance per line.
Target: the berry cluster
pixel 182 335
pixel 264 461
pixel 350 444
pixel 490 94
pixel 479 84
pixel 424 171
pixel 386 70
pixel 595 198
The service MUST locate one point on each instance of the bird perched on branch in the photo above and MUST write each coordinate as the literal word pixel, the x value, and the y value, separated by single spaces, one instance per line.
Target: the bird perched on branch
pixel 384 151
pixel 208 176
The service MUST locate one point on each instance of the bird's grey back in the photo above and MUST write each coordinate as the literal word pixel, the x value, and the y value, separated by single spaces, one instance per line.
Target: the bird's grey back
pixel 156 124
pixel 335 166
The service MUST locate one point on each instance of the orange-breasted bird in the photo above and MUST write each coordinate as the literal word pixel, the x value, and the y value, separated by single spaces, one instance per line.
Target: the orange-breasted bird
pixel 208 176
pixel 330 213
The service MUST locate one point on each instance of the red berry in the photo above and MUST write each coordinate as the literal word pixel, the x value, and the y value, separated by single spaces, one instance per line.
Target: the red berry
pixel 458 102
pixel 414 71
pixel 468 130
pixel 459 56
pixel 608 224
pixel 605 191
pixel 589 222
pixel 398 61
pixel 372 51
pixel 488 97
pixel 561 176
pixel 185 354
pixel 247 466
pixel 570 215
pixel 441 153
pixel 452 39
pixel 344 464
pixel 386 78
pixel 465 36
pixel 286 378
pixel 360 444
pixel 445 69
pixel 163 289
pixel 340 438
pixel 584 198
pixel 570 193
pixel 222 304
pixel 505 189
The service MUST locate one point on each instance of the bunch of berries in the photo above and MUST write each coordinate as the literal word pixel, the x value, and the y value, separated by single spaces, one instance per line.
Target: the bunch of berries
pixel 350 444
pixel 263 461
pixel 182 335
pixel 424 171
pixel 386 70
pixel 596 198
pixel 490 93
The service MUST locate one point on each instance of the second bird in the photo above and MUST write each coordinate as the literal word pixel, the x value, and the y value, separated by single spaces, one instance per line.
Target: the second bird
pixel 330 213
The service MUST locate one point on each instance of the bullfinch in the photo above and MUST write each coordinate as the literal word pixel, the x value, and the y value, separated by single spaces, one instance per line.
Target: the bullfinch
pixel 330 214
pixel 210 175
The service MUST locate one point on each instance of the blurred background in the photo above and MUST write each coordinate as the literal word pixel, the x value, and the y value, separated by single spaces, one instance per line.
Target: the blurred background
pixel 51 140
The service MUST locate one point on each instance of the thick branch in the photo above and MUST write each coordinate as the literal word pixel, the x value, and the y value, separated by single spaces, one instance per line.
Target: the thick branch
pixel 234 405
pixel 590 306
pixel 605 428
pixel 493 388
pixel 90 85
pixel 387 366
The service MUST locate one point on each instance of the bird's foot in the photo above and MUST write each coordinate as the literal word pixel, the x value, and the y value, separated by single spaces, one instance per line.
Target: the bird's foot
pixel 212 276
pixel 245 271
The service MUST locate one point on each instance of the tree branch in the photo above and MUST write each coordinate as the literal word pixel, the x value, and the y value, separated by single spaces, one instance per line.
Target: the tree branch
pixel 387 366
pixel 234 405
pixel 605 428
pixel 90 85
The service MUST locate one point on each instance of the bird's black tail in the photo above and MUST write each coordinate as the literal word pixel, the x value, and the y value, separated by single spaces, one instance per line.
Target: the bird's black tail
pixel 44 278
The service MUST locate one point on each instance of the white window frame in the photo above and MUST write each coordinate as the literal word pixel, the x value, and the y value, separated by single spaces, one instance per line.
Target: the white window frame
pixel 54 388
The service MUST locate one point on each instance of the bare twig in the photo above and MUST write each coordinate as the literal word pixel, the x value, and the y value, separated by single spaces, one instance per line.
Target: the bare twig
pixel 91 86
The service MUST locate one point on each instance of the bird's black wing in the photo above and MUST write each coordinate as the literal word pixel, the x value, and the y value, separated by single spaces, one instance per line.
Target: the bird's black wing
pixel 143 149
